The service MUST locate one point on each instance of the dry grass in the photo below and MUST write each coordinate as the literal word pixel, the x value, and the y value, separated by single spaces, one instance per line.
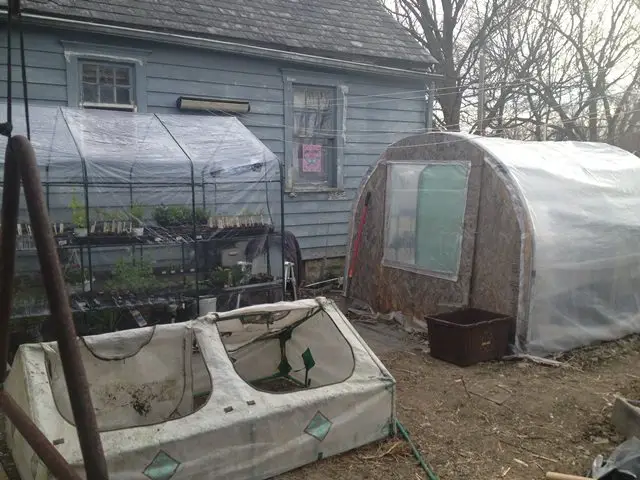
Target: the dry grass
pixel 551 419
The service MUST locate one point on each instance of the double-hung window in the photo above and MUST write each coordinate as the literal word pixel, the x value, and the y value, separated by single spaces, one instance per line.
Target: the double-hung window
pixel 314 135
pixel 314 140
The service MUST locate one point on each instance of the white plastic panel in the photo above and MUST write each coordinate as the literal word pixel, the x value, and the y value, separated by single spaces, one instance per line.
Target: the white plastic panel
pixel 584 203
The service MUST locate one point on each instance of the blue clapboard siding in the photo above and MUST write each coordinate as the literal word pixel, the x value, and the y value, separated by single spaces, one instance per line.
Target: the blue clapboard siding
pixel 379 112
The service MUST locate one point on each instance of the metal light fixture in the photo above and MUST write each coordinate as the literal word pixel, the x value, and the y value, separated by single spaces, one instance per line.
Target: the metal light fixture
pixel 207 104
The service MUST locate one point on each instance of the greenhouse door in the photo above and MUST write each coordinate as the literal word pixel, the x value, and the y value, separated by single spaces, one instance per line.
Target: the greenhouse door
pixel 442 200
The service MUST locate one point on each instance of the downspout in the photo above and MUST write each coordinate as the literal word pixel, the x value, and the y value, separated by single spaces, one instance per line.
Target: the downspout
pixel 431 93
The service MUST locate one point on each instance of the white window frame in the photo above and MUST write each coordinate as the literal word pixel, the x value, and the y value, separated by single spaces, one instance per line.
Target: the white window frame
pixel 77 52
pixel 320 80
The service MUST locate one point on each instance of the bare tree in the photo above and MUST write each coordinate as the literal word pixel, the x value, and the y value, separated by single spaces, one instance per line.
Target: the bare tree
pixel 453 31
pixel 596 67
pixel 555 69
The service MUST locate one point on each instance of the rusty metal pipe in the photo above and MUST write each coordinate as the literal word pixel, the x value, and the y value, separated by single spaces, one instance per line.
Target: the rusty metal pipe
pixel 10 205
pixel 75 375
pixel 47 452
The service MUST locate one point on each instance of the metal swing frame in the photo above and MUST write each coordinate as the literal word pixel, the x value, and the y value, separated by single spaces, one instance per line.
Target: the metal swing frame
pixel 20 168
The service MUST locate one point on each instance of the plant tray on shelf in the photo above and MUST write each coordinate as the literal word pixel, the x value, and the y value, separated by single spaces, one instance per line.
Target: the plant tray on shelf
pixel 243 230
pixel 107 239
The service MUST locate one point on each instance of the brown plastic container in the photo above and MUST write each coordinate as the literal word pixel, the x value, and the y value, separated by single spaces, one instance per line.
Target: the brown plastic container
pixel 469 336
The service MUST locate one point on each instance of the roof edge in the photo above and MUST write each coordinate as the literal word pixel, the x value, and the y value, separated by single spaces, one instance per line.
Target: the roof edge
pixel 222 46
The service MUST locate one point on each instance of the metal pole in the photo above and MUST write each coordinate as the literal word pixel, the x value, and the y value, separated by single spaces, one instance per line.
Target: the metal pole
pixel 428 121
pixel 481 93
pixel 78 387
pixel 282 220
pixel 10 206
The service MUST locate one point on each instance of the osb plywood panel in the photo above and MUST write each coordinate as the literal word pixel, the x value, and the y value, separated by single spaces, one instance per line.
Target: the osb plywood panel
pixel 494 286
pixel 366 269
pixel 396 289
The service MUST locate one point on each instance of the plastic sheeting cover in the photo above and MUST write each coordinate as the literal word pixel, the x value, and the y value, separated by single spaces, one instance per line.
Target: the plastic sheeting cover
pixel 147 159
pixel 240 431
pixel 583 200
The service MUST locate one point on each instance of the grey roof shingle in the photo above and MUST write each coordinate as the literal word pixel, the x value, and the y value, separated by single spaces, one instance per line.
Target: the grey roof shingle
pixel 350 29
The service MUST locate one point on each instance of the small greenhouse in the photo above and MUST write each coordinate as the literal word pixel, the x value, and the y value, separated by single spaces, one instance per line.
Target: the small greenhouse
pixel 157 217
pixel 545 232
pixel 245 394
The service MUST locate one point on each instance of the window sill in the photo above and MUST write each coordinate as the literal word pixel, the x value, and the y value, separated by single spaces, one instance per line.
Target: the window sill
pixel 293 191
pixel 121 107
pixel 420 271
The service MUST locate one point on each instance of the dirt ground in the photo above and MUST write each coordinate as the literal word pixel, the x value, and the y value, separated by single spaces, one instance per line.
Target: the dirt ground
pixel 514 420
pixel 511 420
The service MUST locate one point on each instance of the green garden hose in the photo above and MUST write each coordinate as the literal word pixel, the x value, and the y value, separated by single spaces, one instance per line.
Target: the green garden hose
pixel 405 434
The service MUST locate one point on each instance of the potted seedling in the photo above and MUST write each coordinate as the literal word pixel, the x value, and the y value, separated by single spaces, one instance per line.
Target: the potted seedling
pixel 128 276
pixel 121 221
pixel 96 220
pixel 78 217
pixel 219 277
pixel 136 214
pixel 174 216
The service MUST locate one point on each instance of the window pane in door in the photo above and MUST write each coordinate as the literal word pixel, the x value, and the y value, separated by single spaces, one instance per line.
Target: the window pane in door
pixel 401 213
pixel 442 201
pixel 424 215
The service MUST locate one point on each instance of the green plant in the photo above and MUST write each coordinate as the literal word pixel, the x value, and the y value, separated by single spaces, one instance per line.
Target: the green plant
pixel 130 276
pixel 75 276
pixel 98 215
pixel 78 213
pixel 173 216
pixel 136 214
pixel 220 277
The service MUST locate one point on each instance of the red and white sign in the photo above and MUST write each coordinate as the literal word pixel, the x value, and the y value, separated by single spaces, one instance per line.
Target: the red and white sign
pixel 312 158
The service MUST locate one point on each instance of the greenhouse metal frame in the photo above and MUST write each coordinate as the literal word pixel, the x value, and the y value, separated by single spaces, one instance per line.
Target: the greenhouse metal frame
pixel 102 172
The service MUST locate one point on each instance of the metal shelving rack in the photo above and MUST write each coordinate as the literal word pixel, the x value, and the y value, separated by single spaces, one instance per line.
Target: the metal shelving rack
pixel 120 160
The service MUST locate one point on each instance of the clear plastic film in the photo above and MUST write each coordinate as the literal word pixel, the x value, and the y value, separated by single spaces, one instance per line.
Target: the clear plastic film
pixel 270 388
pixel 583 201
pixel 159 157
pixel 195 197
pixel 436 194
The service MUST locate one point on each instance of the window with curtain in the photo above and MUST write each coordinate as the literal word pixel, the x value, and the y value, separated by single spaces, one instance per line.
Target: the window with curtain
pixel 425 209
pixel 314 135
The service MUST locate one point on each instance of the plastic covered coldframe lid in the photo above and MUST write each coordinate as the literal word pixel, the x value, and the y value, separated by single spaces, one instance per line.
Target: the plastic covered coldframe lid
pixel 584 204
pixel 223 149
pixel 119 146
pixel 51 140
